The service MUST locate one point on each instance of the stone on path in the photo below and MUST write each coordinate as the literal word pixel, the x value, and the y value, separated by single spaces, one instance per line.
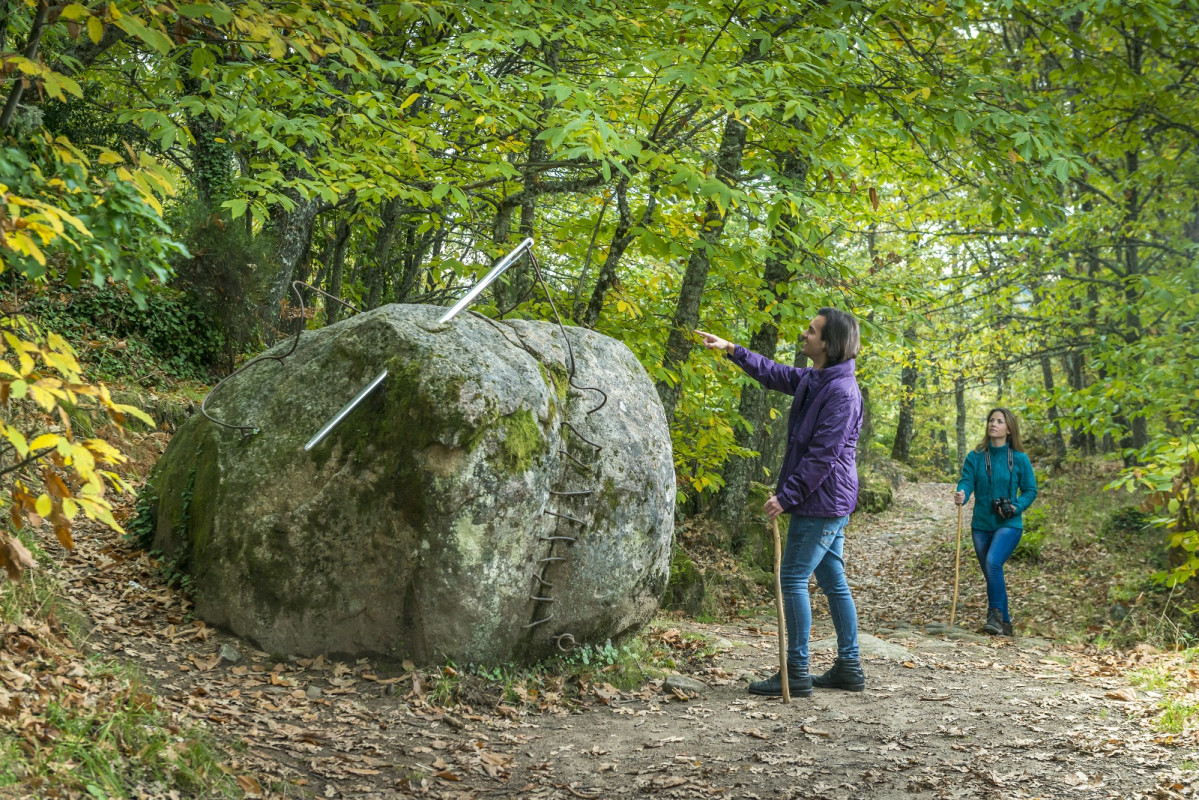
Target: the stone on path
pixel 683 684
pixel 869 646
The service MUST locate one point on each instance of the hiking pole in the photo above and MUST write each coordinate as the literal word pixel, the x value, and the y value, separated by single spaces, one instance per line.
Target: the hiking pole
pixel 957 568
pixel 785 679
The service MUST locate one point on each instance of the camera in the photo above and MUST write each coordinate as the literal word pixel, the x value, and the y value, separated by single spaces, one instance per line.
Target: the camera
pixel 1003 508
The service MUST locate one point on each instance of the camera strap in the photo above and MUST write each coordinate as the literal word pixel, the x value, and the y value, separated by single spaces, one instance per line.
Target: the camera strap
pixel 1011 472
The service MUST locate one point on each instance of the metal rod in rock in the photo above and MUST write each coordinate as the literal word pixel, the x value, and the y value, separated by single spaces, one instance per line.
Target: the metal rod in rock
pixel 496 271
pixel 323 432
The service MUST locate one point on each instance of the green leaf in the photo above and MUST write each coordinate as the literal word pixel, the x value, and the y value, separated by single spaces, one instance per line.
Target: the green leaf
pixel 154 38
pixel 236 207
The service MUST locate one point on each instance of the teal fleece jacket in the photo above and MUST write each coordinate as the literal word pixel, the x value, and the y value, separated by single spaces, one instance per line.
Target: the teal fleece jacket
pixel 974 482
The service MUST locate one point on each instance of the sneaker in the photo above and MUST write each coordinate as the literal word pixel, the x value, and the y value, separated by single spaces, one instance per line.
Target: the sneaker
pixel 844 674
pixel 799 683
pixel 994 624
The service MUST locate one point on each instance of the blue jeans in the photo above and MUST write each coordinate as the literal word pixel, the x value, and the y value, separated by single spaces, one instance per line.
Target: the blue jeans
pixel 814 545
pixel 993 548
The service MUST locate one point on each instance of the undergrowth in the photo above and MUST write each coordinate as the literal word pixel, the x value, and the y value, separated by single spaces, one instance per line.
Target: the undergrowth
pixel 74 723
pixel 1085 573
pixel 569 679
pixel 169 340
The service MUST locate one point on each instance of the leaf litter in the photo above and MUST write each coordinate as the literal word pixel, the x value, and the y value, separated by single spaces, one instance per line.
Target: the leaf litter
pixel 955 716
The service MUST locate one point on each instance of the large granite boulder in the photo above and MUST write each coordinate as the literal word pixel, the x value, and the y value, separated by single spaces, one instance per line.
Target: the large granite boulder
pixel 439 519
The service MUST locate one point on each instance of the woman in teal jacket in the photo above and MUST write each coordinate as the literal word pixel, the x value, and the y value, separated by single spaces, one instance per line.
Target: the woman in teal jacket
pixel 1000 477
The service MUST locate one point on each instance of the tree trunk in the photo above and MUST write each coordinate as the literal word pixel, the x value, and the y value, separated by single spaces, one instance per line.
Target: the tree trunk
pixel 518 279
pixel 686 316
pixel 211 162
pixel 292 232
pixel 621 239
pixel 381 254
pixel 413 263
pixel 753 405
pixel 905 426
pixel 1055 427
pixel 1080 441
pixel 31 47
pixel 336 268
pixel 959 402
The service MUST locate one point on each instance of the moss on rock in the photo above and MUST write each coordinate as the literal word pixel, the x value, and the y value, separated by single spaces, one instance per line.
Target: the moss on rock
pixel 685 591
pixel 874 492
pixel 520 440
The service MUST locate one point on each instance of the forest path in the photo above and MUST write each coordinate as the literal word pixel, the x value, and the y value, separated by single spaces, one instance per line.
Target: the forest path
pixel 947 713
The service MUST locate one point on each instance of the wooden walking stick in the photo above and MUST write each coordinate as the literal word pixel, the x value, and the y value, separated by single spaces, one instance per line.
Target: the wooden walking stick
pixel 778 607
pixel 957 568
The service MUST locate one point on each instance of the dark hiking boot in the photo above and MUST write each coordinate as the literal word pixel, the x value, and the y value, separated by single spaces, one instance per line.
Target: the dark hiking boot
pixel 1007 629
pixel 844 674
pixel 798 682
pixel 994 624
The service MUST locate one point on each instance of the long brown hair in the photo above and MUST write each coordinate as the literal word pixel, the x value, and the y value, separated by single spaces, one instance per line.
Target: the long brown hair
pixel 1013 431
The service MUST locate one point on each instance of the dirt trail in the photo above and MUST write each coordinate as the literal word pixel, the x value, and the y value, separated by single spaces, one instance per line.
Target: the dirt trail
pixel 947 713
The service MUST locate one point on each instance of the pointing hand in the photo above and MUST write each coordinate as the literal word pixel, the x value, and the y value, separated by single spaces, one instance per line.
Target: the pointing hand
pixel 714 342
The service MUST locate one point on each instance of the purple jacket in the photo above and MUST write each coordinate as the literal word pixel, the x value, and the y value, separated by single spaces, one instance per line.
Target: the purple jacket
pixel 819 477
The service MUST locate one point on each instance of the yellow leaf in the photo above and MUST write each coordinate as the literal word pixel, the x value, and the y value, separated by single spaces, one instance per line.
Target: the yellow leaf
pixel 42 397
pixel 16 439
pixel 70 508
pixel 62 362
pixel 45 440
pixel 22 242
pixel 74 12
pixel 135 412
pixel 106 452
pixel 926 92
pixel 83 460
pixel 98 509
pixel 43 506
pixel 95 29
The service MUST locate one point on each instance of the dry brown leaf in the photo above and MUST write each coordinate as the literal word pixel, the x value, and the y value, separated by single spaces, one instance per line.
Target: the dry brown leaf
pixel 250 786
pixel 14 557
pixel 814 731
pixel 498 759
pixel 1123 695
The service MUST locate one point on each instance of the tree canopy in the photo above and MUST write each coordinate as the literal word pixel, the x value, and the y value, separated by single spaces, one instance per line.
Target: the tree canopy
pixel 1003 192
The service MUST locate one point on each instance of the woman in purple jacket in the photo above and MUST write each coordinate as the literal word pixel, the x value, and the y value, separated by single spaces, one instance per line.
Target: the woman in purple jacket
pixel 818 486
